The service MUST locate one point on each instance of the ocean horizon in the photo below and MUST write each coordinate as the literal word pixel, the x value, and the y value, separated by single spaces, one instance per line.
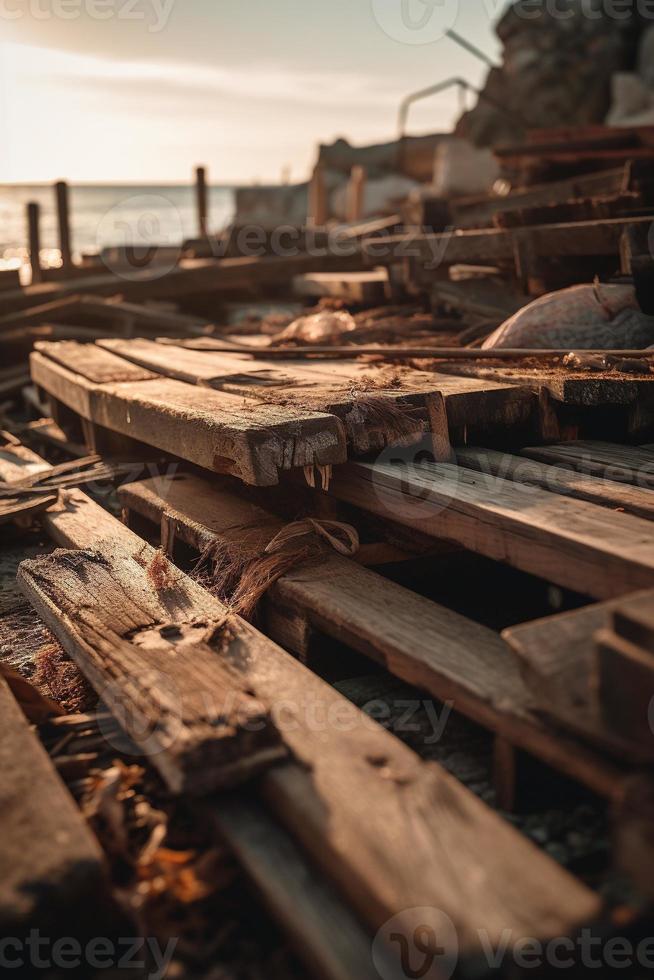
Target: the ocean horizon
pixel 106 214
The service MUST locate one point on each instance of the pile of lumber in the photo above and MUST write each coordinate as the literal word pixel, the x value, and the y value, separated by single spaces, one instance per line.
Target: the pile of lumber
pixel 272 491
pixel 232 560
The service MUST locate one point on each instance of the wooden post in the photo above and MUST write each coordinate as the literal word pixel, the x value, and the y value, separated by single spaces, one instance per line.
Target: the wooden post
pixel 34 235
pixel 61 193
pixel 317 203
pixel 202 201
pixel 356 190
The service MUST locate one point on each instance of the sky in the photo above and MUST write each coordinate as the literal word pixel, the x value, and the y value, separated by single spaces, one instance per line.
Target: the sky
pixel 143 90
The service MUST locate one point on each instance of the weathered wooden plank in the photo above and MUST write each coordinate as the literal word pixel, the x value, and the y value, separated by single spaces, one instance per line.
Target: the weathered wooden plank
pixel 625 680
pixel 378 821
pixel 217 430
pixel 583 388
pixel 429 646
pixel 612 461
pixel 634 620
pixel 189 276
pixel 359 394
pixel 477 212
pixel 489 246
pixel 354 287
pixel 122 619
pixel 325 933
pixel 561 479
pixel 17 462
pixel 558 657
pixel 569 542
pixel 50 860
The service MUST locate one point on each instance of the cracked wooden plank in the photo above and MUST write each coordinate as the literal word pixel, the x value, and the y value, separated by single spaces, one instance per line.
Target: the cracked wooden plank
pixel 214 429
pixel 124 619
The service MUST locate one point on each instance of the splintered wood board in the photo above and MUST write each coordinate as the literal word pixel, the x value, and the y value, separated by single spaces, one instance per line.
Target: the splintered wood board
pixel 418 640
pixel 572 543
pixel 393 833
pixel 17 462
pixel 121 617
pixel 52 865
pixel 564 480
pixel 216 430
pixel 351 390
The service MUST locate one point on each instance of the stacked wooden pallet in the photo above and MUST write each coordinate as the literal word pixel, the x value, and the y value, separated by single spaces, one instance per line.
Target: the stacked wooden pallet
pixel 341 826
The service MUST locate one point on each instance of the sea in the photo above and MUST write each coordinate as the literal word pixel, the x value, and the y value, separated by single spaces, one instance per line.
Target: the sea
pixel 104 215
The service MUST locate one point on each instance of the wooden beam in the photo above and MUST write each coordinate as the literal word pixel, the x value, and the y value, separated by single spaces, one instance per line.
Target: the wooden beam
pixel 610 461
pixel 569 542
pixel 582 388
pixel 559 664
pixel 63 224
pixel 121 618
pixel 318 203
pixel 202 201
pixel 353 287
pixel 34 240
pixel 490 246
pixel 217 430
pixel 53 870
pixel 355 194
pixel 188 277
pixel 638 501
pixel 633 619
pixel 322 929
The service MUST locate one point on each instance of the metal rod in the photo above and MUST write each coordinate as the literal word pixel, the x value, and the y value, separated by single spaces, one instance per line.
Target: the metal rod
pixel 407 102
pixel 431 353
pixel 453 36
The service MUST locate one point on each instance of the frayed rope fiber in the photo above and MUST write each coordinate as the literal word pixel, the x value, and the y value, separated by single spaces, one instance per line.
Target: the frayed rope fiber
pixel 240 578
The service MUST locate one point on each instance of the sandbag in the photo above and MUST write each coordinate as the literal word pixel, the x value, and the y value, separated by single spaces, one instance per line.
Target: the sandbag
pixel 592 316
